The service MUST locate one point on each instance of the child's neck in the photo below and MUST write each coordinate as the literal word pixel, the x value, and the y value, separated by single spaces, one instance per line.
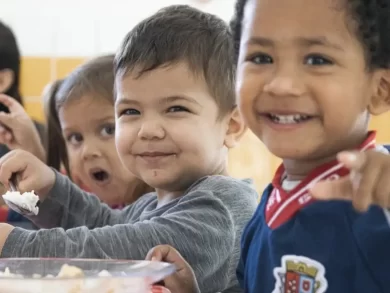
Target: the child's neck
pixel 299 169
pixel 164 196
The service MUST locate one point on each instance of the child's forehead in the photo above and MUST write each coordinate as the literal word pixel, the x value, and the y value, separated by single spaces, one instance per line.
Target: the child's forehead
pixel 162 85
pixel 280 19
pixel 86 113
pixel 88 102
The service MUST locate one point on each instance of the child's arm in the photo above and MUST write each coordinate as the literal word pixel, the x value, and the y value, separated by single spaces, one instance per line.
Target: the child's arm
pixel 203 225
pixel 68 206
pixel 200 226
pixel 367 184
pixel 183 281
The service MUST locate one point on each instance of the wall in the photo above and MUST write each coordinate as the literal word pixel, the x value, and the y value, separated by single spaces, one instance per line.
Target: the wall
pixel 56 36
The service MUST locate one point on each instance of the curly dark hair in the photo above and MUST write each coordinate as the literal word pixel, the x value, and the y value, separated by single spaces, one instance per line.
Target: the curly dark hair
pixel 371 25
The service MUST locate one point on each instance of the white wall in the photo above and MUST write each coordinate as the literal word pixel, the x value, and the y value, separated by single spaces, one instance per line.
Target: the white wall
pixel 85 27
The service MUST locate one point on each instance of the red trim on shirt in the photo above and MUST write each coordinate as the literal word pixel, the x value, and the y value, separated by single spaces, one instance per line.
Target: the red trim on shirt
pixel 283 205
pixel 3 214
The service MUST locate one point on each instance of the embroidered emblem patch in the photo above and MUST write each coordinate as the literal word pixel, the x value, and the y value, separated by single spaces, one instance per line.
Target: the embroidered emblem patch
pixel 299 274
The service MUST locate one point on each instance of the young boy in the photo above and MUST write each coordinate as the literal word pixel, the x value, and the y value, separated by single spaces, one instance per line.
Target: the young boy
pixel 307 89
pixel 176 118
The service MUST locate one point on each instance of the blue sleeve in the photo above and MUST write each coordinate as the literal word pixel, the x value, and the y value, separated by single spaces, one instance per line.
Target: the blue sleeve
pixel 15 217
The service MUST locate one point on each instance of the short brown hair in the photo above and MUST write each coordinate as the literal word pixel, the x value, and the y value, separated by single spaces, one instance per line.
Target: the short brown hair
pixel 96 76
pixel 182 33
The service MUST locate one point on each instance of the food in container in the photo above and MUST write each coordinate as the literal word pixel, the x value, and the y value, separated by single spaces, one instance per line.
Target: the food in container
pixel 80 275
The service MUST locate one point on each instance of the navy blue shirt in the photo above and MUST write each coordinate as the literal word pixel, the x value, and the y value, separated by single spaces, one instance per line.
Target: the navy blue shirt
pixel 324 247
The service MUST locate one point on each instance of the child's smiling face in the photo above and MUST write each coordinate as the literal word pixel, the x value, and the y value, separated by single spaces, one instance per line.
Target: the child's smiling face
pixel 303 83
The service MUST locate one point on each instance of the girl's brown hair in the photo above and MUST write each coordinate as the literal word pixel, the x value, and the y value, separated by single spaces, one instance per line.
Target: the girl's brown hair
pixel 56 154
pixel 93 77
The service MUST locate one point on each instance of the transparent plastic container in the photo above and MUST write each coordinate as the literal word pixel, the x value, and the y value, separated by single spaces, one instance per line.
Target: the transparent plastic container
pixel 125 276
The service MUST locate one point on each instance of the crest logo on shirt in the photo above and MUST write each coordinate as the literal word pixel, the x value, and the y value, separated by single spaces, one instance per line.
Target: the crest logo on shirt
pixel 299 274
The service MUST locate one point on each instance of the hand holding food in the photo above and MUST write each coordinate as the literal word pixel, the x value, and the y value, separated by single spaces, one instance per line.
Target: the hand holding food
pixel 28 172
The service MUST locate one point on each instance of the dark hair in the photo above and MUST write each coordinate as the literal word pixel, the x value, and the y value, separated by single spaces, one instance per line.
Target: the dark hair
pixel 96 76
pixel 10 59
pixel 181 33
pixel 371 23
pixel 56 154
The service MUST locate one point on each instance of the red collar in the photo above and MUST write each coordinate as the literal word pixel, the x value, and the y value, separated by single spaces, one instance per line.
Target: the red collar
pixel 283 205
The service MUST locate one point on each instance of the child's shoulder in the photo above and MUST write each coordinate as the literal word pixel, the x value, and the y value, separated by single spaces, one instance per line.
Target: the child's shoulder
pixel 219 183
pixel 226 187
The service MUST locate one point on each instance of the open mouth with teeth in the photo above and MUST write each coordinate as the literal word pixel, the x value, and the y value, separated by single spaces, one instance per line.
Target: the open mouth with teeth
pixel 288 119
pixel 100 176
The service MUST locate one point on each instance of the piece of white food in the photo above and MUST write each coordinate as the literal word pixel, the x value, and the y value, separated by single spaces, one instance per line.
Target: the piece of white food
pixel 27 201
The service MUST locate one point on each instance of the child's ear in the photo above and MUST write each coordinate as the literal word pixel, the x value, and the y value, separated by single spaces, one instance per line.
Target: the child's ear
pixel 380 100
pixel 6 80
pixel 236 129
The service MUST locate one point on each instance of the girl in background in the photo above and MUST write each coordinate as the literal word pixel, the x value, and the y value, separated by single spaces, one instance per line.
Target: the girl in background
pixel 85 109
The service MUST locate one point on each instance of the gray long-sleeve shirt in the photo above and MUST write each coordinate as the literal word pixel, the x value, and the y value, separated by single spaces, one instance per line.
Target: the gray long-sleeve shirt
pixel 205 225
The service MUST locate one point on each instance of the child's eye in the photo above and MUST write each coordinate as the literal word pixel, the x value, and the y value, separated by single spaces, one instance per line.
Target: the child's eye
pixel 108 130
pixel 317 60
pixel 74 139
pixel 260 59
pixel 177 109
pixel 128 112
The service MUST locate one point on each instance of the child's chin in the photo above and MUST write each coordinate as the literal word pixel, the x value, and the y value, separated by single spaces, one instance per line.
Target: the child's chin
pixel 290 151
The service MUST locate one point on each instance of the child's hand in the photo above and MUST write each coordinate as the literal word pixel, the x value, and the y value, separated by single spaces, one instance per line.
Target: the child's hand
pixel 368 183
pixel 5 230
pixel 31 173
pixel 17 130
pixel 183 281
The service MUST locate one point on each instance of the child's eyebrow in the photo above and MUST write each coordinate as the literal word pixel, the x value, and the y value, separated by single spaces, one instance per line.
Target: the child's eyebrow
pixel 125 101
pixel 301 41
pixel 173 99
pixel 165 100
pixel 106 118
pixel 319 41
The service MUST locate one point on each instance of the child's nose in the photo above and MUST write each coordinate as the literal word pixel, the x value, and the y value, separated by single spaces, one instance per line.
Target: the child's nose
pixel 285 83
pixel 91 151
pixel 151 130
